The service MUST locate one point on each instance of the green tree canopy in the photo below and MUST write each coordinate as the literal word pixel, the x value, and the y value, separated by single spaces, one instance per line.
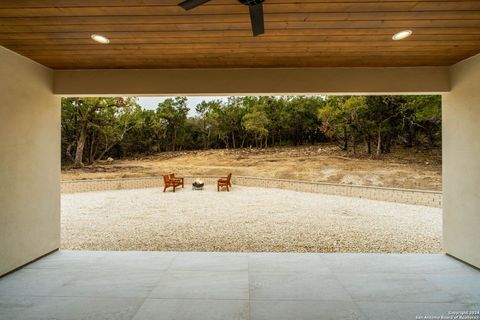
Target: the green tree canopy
pixel 97 128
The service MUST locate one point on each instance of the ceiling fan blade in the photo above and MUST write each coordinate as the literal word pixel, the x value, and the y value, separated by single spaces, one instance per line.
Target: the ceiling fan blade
pixel 256 16
pixel 190 4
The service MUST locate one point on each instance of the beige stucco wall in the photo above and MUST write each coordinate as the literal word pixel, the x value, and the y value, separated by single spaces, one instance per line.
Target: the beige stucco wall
pixel 29 161
pixel 461 162
pixel 252 81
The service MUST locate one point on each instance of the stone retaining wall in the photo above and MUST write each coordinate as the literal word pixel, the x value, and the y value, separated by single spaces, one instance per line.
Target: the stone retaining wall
pixel 418 197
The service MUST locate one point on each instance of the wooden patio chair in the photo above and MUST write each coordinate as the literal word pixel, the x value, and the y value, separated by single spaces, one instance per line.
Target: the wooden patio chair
pixel 169 182
pixel 172 176
pixel 225 182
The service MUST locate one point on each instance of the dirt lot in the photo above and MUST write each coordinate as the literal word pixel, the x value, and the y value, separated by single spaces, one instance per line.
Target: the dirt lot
pixel 327 163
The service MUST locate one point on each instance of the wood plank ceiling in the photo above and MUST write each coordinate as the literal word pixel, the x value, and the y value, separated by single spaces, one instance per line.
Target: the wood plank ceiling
pixel 308 33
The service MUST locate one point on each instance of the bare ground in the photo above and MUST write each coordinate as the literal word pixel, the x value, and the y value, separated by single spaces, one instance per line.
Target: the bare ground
pixel 326 163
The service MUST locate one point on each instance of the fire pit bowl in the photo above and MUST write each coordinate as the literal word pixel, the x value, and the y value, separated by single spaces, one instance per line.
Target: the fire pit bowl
pixel 198 185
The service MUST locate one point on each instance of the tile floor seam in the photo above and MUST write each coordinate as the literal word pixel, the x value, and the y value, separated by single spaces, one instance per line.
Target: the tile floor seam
pixel 90 296
pixel 164 272
pixel 306 300
pixel 203 270
pixel 334 275
pixel 418 276
pixel 302 299
pixel 138 309
pixel 196 299
pixel 361 310
pixel 432 283
pixel 250 316
pixel 409 302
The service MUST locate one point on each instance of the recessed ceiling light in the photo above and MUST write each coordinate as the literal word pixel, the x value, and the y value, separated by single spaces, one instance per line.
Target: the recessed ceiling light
pixel 100 38
pixel 402 35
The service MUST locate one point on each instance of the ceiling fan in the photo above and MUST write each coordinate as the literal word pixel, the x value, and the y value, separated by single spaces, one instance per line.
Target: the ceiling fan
pixel 255 6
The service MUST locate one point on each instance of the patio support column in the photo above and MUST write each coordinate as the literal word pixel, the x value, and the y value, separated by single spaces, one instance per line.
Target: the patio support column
pixel 461 162
pixel 29 161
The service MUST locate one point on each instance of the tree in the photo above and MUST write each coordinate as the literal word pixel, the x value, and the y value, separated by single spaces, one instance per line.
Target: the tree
pixel 173 112
pixel 116 123
pixel 385 112
pixel 422 121
pixel 334 121
pixel 84 113
pixel 147 136
pixel 95 128
pixel 206 113
pixel 256 123
pixel 304 121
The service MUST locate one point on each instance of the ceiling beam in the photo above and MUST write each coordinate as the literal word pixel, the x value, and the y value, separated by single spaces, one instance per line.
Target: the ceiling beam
pixel 256 81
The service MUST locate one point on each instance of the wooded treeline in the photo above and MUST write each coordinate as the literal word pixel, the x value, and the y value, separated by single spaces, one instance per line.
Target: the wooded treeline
pixel 96 128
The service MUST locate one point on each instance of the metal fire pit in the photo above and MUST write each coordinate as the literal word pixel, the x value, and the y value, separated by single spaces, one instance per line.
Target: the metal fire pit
pixel 198 185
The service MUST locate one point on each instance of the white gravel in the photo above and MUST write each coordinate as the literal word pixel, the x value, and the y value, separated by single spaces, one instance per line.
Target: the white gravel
pixel 245 219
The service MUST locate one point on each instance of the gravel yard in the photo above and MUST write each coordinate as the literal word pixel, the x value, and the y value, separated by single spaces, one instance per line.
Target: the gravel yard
pixel 246 219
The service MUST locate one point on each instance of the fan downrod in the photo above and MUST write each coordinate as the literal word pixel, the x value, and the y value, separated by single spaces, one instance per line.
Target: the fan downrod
pixel 251 2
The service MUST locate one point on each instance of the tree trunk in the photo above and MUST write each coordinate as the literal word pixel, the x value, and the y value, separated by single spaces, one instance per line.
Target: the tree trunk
pixel 387 146
pixel 431 138
pixel 204 139
pixel 225 141
pixel 353 144
pixel 108 148
pixel 174 139
pixel 68 152
pixel 410 139
pixel 233 139
pixel 345 138
pixel 208 137
pixel 243 141
pixel 81 144
pixel 91 156
pixel 379 142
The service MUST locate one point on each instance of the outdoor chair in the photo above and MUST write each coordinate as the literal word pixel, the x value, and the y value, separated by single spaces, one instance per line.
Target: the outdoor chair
pixel 224 182
pixel 169 182
pixel 172 176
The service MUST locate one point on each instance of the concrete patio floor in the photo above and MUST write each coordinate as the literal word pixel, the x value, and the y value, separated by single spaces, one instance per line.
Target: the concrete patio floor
pixel 190 285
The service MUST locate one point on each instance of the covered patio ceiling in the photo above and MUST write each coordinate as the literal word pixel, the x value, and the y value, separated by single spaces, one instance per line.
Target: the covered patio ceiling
pixel 310 33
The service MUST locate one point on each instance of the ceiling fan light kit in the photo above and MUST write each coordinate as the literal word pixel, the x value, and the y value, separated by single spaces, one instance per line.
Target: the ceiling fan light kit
pixel 255 7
